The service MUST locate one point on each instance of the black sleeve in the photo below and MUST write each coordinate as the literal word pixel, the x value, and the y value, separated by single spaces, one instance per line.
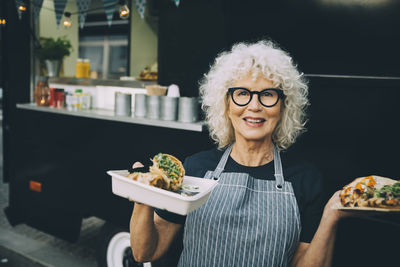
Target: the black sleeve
pixel 313 206
pixel 173 217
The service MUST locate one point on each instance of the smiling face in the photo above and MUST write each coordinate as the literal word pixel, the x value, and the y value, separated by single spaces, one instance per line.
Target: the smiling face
pixel 253 122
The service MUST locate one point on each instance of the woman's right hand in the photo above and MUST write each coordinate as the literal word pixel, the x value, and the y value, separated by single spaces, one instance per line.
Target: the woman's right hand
pixel 145 227
pixel 135 165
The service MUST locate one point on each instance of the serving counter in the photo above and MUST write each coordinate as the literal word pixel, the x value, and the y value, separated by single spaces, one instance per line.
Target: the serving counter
pixel 105 114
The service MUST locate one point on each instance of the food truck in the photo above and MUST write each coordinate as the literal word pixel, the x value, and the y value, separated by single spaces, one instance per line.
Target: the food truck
pixel 56 159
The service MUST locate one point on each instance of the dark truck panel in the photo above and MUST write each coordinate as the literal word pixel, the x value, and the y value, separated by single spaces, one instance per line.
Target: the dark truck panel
pixel 70 157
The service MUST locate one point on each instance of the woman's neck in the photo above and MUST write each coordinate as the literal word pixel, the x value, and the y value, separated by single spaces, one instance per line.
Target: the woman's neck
pixel 253 153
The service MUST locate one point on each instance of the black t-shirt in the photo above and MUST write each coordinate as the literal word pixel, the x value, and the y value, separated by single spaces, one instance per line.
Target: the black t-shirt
pixel 306 181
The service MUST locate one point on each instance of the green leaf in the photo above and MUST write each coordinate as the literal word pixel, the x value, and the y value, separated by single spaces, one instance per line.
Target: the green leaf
pixel 54 49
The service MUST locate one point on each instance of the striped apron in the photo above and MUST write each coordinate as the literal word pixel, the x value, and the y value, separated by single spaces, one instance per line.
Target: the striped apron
pixel 245 222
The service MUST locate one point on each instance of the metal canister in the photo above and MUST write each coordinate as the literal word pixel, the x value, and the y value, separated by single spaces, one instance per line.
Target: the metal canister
pixel 169 108
pixel 122 104
pixel 140 105
pixel 153 107
pixel 188 110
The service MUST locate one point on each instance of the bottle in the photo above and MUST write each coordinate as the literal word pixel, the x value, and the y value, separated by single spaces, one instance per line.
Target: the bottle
pixel 69 101
pixel 42 92
pixel 86 101
pixel 79 68
pixel 59 98
pixel 52 98
pixel 86 68
pixel 77 99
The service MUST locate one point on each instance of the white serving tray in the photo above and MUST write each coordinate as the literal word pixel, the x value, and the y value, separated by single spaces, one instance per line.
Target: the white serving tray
pixel 194 193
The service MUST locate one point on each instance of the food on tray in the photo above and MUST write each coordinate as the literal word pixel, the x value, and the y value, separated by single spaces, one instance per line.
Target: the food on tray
pixel 167 172
pixel 148 178
pixel 150 73
pixel 371 191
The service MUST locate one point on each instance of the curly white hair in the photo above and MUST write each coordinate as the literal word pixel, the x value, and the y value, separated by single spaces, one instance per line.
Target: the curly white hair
pixel 261 58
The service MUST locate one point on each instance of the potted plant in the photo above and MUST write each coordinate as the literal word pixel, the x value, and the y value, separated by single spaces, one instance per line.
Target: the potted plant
pixel 52 51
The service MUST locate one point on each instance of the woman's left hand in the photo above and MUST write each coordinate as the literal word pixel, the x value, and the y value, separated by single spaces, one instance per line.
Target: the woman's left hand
pixel 332 212
pixel 331 208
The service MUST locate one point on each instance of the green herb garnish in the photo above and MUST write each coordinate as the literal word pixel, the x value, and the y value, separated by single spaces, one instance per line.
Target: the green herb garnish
pixel 169 166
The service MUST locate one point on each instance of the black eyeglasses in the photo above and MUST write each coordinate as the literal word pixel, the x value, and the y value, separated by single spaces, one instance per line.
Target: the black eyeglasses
pixel 268 97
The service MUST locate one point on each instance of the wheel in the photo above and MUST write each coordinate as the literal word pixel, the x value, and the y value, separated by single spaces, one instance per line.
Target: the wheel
pixel 114 249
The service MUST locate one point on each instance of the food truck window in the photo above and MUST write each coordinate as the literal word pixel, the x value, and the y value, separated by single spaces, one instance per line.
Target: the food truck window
pixel 122 47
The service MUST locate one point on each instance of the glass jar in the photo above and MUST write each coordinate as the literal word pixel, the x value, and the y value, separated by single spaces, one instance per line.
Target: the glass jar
pixel 79 69
pixel 86 68
pixel 42 92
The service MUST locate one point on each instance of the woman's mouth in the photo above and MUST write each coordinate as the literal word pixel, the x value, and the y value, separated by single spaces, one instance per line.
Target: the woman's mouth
pixel 254 122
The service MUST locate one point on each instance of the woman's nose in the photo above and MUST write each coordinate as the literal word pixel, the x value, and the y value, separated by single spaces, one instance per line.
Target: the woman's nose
pixel 254 103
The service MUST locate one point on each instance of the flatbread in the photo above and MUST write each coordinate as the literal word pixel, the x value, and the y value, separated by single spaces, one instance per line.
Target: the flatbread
pixel 150 179
pixel 361 193
pixel 159 177
pixel 175 182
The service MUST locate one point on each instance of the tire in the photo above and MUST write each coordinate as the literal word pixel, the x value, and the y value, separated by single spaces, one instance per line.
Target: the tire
pixel 114 248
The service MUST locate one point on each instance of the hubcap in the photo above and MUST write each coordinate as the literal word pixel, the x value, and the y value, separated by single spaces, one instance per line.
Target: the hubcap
pixel 119 253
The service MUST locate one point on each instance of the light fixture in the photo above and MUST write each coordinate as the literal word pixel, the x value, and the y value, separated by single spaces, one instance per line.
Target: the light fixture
pixel 2 22
pixel 123 9
pixel 67 20
pixel 22 7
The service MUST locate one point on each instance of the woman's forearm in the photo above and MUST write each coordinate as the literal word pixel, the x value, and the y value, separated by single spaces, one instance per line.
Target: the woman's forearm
pixel 320 250
pixel 143 234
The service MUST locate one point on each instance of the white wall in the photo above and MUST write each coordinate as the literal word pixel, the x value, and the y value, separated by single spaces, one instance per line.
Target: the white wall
pixel 48 28
pixel 143 44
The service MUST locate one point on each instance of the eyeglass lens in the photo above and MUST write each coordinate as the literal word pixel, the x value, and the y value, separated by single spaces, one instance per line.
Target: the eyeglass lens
pixel 268 97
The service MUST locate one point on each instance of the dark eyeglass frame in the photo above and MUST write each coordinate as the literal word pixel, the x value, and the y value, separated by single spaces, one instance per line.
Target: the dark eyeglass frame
pixel 278 91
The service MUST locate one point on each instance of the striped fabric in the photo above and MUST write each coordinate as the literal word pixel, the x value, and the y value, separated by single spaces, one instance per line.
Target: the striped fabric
pixel 59 6
pixel 109 8
pixel 83 6
pixel 245 222
pixel 141 7
pixel 36 7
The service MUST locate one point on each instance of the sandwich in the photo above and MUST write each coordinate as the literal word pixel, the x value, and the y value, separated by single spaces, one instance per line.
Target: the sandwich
pixel 167 172
pixel 371 191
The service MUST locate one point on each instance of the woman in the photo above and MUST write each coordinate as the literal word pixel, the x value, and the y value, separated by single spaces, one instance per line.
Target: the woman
pixel 263 212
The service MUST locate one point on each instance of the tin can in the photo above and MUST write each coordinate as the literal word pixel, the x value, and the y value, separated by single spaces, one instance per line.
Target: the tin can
pixel 122 104
pixel 140 105
pixel 188 109
pixel 169 108
pixel 153 107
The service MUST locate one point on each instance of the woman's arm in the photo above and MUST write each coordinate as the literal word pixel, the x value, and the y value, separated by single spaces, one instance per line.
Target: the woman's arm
pixel 319 252
pixel 150 235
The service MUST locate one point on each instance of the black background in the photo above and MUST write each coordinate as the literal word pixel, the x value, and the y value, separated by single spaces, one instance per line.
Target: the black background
pixel 323 38
pixel 353 128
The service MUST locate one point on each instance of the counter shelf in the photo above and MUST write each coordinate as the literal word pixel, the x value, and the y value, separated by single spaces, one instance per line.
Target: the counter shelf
pixel 104 114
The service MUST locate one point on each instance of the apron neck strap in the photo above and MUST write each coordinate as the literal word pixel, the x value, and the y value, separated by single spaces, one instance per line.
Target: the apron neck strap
pixel 221 165
pixel 277 165
pixel 278 169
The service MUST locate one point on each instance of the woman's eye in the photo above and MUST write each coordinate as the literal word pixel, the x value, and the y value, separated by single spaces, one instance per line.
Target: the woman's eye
pixel 243 93
pixel 266 94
